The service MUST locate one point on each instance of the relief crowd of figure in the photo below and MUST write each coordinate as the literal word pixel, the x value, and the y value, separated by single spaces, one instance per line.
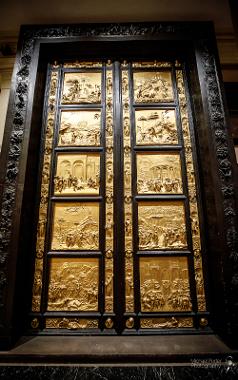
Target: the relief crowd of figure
pixel 79 134
pixel 62 184
pixel 155 88
pixel 165 295
pixel 160 185
pixel 81 90
pixel 157 237
pixel 73 287
pixel 82 234
pixel 156 128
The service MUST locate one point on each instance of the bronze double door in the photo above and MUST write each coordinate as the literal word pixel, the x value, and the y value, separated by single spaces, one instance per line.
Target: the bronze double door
pixel 118 245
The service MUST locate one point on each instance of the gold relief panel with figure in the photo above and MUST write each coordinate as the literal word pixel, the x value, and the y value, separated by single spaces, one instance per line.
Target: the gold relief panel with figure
pixel 159 173
pixel 77 174
pixel 162 225
pixel 156 127
pixel 71 323
pixel 82 87
pixel 164 284
pixel 166 323
pixel 75 226
pixel 153 87
pixel 73 284
pixel 80 128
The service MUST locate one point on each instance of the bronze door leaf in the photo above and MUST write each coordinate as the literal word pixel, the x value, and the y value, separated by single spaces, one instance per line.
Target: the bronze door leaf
pixel 118 245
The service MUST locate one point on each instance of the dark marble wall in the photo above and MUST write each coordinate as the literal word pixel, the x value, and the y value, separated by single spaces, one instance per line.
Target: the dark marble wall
pixel 206 371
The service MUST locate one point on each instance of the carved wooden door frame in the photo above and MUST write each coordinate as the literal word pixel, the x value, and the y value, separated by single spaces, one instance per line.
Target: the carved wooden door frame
pixel 196 41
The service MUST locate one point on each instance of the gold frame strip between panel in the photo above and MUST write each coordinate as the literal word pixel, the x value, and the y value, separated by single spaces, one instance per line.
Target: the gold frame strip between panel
pixel 196 240
pixel 128 227
pixel 152 64
pixel 82 65
pixel 41 227
pixel 109 224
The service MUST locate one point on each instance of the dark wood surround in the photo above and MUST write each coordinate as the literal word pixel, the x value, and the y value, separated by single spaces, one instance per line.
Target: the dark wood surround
pixel 192 43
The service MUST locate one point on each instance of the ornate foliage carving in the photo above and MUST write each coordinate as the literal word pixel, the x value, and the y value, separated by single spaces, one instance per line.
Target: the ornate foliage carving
pixel 217 123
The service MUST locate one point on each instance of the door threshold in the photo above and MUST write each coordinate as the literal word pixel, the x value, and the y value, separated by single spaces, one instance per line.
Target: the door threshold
pixel 120 349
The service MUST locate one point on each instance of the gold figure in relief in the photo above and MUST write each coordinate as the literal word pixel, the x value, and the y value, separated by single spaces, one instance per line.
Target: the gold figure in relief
pixel 162 225
pixel 166 323
pixel 82 64
pixel 129 280
pixel 153 87
pixel 75 226
pixel 80 128
pixel 151 64
pixel 109 221
pixel 77 174
pixel 73 284
pixel 82 88
pixel 109 285
pixel 71 323
pixel 155 127
pixel 164 284
pixel 159 173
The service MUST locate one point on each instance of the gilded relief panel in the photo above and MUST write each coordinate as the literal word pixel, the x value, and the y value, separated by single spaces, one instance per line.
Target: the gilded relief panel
pixel 77 174
pixel 164 284
pixel 73 284
pixel 82 87
pixel 153 87
pixel 166 323
pixel 155 127
pixel 161 225
pixel 71 323
pixel 75 226
pixel 80 128
pixel 159 173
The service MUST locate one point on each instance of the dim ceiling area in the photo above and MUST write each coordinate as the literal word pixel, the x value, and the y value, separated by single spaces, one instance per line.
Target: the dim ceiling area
pixel 14 13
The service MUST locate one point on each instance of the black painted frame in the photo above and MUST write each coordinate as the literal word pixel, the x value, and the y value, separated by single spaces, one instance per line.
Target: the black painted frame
pixel 21 147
